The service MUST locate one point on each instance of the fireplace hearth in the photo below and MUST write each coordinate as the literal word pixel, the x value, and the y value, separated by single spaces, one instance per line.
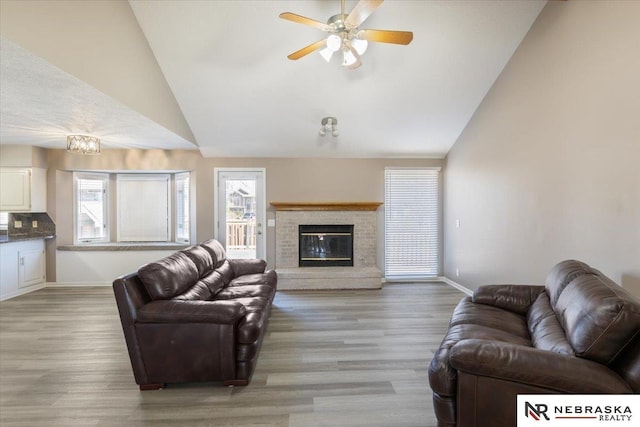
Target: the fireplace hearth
pixel 364 274
pixel 328 245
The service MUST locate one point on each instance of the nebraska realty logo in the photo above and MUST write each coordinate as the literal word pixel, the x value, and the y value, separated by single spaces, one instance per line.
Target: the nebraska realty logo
pixel 577 410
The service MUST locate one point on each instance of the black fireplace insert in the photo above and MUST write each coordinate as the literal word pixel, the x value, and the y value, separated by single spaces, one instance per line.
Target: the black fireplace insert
pixel 325 245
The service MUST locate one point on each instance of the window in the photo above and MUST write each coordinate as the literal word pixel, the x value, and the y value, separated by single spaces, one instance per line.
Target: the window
pixel 142 206
pixel 4 220
pixel 411 223
pixel 183 224
pixel 91 203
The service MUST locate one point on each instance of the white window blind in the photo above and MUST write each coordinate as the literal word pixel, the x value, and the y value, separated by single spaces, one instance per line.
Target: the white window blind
pixel 91 203
pixel 411 223
pixel 183 223
pixel 143 207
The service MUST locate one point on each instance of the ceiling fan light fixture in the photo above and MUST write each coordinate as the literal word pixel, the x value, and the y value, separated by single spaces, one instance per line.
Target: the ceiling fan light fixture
pixel 348 58
pixel 360 45
pixel 326 53
pixel 334 42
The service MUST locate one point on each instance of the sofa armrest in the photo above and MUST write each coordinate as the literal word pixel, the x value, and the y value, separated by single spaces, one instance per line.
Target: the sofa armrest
pixel 170 311
pixel 534 367
pixel 241 267
pixel 515 298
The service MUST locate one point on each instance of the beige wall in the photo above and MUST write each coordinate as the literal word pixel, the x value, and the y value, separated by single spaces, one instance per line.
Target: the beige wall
pixel 549 166
pixel 288 180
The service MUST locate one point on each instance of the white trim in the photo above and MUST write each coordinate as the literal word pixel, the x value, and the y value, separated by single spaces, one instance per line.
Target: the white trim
pixel 433 168
pixel 456 285
pixel 443 279
pixel 106 206
pixel 263 189
pixel 22 291
pixel 76 284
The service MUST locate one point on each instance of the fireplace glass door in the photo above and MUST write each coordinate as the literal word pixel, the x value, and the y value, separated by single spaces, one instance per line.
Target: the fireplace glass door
pixel 325 245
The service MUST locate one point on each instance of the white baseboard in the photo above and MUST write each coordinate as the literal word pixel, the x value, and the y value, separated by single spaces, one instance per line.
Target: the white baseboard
pixel 444 279
pixel 23 291
pixel 76 284
pixel 456 285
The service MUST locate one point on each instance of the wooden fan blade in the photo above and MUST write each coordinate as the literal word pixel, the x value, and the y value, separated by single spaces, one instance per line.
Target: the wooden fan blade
pixel 363 9
pixel 386 36
pixel 308 49
pixel 304 20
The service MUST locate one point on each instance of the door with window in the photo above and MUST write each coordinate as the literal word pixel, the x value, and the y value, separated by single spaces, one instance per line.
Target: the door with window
pixel 240 211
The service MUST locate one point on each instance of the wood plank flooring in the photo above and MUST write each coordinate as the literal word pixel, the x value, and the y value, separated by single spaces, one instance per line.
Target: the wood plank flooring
pixel 330 358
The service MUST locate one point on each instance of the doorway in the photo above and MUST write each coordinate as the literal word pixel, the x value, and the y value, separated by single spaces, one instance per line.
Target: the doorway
pixel 240 211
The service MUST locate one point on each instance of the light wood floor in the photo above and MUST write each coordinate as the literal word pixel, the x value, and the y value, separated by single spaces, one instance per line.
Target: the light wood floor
pixel 332 358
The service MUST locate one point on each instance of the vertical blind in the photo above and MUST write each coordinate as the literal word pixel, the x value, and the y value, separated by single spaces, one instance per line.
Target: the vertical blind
pixel 143 214
pixel 411 223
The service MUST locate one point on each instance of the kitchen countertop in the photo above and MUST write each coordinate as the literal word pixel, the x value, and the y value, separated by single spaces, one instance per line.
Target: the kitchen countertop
pixel 116 246
pixel 12 239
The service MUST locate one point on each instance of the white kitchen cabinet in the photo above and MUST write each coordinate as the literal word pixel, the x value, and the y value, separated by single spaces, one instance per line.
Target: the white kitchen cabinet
pixel 22 267
pixel 30 267
pixel 23 189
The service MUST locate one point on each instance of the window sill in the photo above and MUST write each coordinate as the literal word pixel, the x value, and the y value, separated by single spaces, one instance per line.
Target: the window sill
pixel 135 246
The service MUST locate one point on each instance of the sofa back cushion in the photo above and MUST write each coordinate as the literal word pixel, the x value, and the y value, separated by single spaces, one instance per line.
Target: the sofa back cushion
pixel 216 250
pixel 214 281
pixel 544 327
pixel 168 277
pixel 201 258
pixel 599 317
pixel 561 275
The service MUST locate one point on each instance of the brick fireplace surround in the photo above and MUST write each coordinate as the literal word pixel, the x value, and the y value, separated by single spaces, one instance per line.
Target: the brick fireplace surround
pixel 363 275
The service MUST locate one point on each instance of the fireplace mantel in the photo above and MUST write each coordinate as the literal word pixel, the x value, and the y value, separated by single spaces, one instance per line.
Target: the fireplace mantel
pixel 326 206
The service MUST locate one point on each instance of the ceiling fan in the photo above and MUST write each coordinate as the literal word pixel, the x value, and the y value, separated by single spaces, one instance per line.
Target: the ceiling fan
pixel 345 36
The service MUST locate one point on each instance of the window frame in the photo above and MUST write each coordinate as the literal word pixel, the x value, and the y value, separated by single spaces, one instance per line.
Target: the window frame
pixel 99 176
pixel 186 225
pixel 111 205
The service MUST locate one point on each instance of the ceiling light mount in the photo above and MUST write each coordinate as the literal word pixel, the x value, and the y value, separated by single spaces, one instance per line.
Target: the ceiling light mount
pixel 329 125
pixel 83 144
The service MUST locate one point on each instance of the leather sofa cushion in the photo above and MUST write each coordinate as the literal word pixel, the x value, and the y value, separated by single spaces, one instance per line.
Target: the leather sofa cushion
pixel 599 317
pixel 242 267
pixel 216 250
pixel 214 282
pixel 246 292
pixel 561 275
pixel 201 258
pixel 253 279
pixel 168 277
pixel 251 326
pixel 198 292
pixel 226 272
pixel 442 376
pixel 468 312
pixel 515 298
pixel 544 327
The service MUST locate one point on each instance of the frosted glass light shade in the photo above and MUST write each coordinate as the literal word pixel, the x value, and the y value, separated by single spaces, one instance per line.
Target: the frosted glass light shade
pixel 334 42
pixel 360 45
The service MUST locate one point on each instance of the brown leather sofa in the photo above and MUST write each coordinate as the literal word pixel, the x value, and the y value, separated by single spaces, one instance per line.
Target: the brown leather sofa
pixel 195 316
pixel 579 333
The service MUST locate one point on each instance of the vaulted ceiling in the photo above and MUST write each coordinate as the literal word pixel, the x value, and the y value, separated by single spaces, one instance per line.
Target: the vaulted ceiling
pixel 214 75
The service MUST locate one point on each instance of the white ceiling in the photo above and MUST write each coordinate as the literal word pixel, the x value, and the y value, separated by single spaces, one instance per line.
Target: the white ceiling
pixel 225 62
